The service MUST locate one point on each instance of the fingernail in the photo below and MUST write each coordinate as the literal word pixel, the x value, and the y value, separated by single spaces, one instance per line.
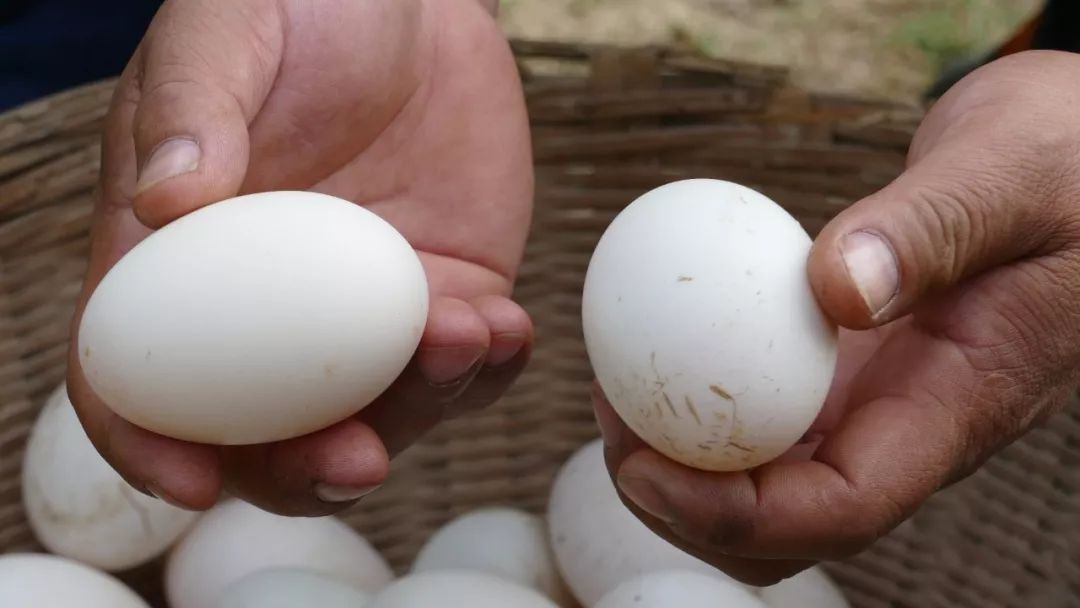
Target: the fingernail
pixel 171 158
pixel 504 347
pixel 445 366
pixel 644 494
pixel 165 497
pixel 872 266
pixel 335 494
pixel 606 418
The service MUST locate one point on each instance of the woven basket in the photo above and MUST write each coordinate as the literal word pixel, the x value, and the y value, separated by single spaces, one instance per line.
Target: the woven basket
pixel 608 124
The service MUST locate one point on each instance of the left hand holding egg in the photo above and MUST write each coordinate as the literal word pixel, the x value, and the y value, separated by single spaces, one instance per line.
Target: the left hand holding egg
pixel 959 288
pixel 252 96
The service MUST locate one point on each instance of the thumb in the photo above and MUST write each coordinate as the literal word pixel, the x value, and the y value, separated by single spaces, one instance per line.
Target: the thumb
pixel 205 69
pixel 960 209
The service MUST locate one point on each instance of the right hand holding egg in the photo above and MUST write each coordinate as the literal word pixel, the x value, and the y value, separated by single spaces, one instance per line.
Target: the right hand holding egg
pixel 958 286
pixel 351 100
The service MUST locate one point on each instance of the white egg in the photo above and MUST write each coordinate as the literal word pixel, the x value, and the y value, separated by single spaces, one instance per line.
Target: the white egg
pixel 507 543
pixel 79 507
pixel 256 319
pixel 291 588
pixel 598 542
pixel 29 580
pixel 674 588
pixel 235 539
pixel 702 327
pixel 809 589
pixel 437 589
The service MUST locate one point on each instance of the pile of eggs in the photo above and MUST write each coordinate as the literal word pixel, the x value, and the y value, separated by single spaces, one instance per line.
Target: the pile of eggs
pixel 699 323
pixel 588 550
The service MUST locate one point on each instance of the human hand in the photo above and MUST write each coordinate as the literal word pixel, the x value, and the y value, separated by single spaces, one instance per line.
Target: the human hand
pixel 958 286
pixel 412 108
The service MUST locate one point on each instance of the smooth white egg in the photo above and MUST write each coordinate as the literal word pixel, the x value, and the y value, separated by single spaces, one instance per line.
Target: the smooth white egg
pixel 702 327
pixel 79 507
pixel 598 542
pixel 679 589
pixel 439 588
pixel 291 588
pixel 30 580
pixel 235 539
pixel 507 543
pixel 256 319
pixel 811 588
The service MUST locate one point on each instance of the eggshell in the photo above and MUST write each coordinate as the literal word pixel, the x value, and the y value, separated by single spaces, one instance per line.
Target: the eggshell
pixel 256 319
pixel 235 539
pixel 598 542
pixel 809 589
pixel 29 580
pixel 440 588
pixel 507 543
pixel 79 507
pixel 702 327
pixel 673 588
pixel 291 588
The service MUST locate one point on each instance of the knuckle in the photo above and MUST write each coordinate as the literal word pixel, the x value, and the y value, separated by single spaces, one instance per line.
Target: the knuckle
pixel 733 530
pixel 954 224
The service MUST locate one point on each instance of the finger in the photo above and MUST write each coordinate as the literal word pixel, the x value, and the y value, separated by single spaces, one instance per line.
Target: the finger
pixel 205 69
pixel 182 474
pixel 509 325
pixel 512 336
pixel 318 474
pixel 451 353
pixel 619 443
pixel 970 203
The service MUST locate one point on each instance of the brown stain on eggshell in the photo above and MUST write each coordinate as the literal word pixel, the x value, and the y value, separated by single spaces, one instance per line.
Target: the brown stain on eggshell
pixel 693 410
pixel 718 390
pixel 671 406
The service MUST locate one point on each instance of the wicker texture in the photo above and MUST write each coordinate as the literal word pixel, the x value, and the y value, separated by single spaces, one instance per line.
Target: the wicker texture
pixel 608 124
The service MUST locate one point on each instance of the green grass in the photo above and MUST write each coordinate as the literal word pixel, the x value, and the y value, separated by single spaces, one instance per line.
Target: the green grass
pixel 957 30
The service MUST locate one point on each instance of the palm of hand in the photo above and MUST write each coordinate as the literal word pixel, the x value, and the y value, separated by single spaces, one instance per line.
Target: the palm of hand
pixel 431 133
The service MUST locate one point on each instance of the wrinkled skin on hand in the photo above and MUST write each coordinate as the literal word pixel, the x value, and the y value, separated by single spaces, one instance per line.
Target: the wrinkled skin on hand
pixel 958 288
pixel 411 108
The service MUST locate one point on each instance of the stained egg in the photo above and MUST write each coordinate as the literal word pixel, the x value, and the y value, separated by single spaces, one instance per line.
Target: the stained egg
pixel 702 327
pixel 256 319
pixel 81 508
pixel 598 543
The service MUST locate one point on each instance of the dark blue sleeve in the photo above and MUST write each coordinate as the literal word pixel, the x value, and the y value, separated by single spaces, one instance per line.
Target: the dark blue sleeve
pixel 50 45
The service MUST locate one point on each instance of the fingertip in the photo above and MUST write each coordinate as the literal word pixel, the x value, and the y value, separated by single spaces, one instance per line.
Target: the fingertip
pixel 314 475
pixel 510 327
pixel 344 462
pixel 454 323
pixel 834 284
pixel 184 474
pixel 192 146
pixel 455 341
